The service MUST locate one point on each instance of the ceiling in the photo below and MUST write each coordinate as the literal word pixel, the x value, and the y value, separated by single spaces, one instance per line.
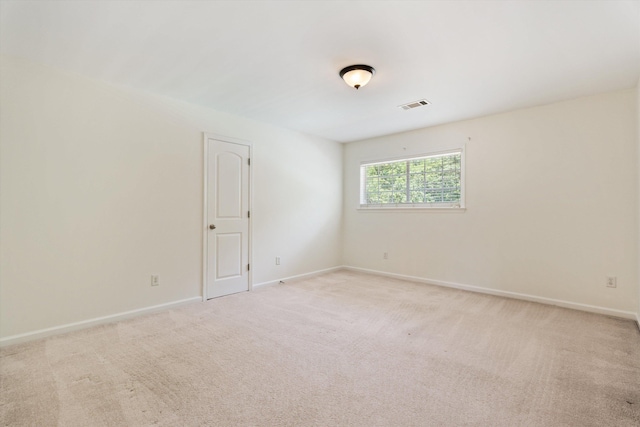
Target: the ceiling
pixel 278 61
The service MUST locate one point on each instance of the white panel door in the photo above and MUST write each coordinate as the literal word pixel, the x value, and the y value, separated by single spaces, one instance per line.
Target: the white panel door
pixel 228 218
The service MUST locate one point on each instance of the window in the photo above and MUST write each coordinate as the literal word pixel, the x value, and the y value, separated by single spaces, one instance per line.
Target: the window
pixel 429 181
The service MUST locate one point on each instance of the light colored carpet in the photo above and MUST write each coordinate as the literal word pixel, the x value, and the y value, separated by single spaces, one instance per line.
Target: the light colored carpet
pixel 343 349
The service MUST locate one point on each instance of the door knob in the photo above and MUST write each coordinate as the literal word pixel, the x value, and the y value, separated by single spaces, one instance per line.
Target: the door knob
pixel 212 227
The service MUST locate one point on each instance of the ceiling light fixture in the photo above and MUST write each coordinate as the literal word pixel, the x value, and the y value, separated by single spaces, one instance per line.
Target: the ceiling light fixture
pixel 357 75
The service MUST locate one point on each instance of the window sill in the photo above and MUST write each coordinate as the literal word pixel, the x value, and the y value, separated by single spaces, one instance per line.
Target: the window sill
pixel 411 209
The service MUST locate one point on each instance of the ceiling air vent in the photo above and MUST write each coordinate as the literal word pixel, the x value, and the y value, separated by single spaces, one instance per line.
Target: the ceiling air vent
pixel 415 104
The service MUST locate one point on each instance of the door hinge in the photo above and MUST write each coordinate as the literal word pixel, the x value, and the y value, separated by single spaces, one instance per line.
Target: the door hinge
pixel 248 266
pixel 249 161
pixel 248 214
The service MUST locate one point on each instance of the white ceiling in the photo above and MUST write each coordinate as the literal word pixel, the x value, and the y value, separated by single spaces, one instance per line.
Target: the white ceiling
pixel 278 61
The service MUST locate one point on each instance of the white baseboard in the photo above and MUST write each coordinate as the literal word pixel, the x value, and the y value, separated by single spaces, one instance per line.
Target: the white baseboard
pixel 567 304
pixel 69 327
pixel 56 330
pixel 298 277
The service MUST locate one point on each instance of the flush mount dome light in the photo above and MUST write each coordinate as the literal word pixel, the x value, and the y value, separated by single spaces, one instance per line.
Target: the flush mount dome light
pixel 357 75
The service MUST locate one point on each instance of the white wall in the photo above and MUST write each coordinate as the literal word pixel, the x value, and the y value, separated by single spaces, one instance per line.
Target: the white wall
pixel 552 204
pixel 101 187
pixel 638 172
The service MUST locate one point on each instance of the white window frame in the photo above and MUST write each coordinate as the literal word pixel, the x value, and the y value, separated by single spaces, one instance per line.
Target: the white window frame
pixel 440 207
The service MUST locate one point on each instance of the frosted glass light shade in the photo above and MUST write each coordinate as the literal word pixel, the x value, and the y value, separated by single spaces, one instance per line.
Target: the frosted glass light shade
pixel 357 75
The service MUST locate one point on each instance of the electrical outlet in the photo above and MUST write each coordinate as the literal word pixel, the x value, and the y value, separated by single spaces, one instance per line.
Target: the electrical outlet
pixel 612 282
pixel 385 255
pixel 277 260
pixel 155 280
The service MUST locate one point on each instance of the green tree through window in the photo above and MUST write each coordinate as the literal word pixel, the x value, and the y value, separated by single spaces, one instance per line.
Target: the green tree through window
pixel 430 180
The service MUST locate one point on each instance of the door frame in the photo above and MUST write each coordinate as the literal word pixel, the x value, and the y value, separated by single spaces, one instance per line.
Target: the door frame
pixel 205 223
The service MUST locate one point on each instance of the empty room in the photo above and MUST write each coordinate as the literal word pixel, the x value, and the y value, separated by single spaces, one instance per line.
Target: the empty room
pixel 319 213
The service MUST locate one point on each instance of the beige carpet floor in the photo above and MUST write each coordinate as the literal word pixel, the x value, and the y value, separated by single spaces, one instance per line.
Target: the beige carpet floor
pixel 343 349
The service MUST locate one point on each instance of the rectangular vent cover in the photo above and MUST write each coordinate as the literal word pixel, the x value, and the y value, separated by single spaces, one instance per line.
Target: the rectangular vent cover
pixel 415 104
